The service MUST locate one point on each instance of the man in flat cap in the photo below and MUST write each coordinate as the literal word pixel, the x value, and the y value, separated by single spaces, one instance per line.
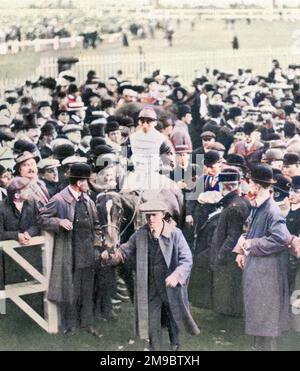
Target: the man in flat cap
pixel 207 137
pixel 72 216
pixel 48 172
pixel 163 263
pixel 262 255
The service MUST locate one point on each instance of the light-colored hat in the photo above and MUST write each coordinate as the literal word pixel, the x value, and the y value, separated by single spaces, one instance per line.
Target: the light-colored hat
pixel 273 154
pixel 152 206
pixel 59 142
pixel 71 160
pixel 48 163
pixel 70 128
pixel 210 197
pixel 26 155
pixel 148 112
pixel 76 106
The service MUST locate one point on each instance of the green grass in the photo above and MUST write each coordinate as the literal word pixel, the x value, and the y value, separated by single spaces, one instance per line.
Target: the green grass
pixel 208 35
pixel 219 333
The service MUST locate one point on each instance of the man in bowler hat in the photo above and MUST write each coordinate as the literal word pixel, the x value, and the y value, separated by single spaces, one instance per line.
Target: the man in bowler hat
pixel 71 215
pixel 262 255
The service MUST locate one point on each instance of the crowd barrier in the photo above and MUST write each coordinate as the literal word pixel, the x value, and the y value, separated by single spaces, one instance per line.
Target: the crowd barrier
pixel 39 283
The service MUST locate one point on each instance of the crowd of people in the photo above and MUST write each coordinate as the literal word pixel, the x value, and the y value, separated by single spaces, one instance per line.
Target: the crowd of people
pixel 226 150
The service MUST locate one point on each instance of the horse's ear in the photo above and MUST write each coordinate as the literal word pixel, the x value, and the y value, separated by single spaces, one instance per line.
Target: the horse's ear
pixel 129 200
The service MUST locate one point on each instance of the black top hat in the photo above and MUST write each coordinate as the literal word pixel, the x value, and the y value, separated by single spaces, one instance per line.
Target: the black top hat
pixel 80 171
pixel 97 141
pixel 229 176
pixel 63 151
pixel 183 110
pixel 262 174
pixel 29 122
pixel 295 182
pixel 97 129
pixel 112 126
pixel 289 129
pixel 234 112
pixel 215 110
pixel 249 128
pixel 234 159
pixel 125 121
pixel 291 158
pixel 101 149
pixel 43 103
pixel 48 129
pixel 211 158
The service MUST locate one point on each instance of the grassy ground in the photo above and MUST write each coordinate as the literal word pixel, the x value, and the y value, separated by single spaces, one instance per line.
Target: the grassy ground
pixel 218 333
pixel 208 35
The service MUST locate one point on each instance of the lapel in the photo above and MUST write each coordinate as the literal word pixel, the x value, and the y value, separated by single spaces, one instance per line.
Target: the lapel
pixel 165 243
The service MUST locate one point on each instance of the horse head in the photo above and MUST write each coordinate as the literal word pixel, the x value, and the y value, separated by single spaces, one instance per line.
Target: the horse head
pixel 111 218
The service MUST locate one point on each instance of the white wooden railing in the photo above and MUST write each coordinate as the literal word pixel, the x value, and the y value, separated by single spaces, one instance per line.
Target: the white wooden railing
pixel 187 66
pixel 37 45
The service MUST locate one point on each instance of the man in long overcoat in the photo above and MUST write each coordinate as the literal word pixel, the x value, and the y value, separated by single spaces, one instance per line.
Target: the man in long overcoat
pixel 227 279
pixel 264 259
pixel 163 266
pixel 72 216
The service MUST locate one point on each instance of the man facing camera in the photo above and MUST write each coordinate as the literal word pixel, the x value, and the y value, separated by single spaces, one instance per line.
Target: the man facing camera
pixel 163 263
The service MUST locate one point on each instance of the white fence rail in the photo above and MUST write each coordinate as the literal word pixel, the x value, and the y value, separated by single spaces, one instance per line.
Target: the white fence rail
pixel 187 66
pixel 37 45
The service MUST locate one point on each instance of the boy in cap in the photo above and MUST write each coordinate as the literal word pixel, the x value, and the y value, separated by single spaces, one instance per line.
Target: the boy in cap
pixel 72 216
pixel 263 257
pixel 163 264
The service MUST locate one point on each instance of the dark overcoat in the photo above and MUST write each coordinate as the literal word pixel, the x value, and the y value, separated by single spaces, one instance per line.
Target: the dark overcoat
pixel 227 277
pixel 62 206
pixel 265 278
pixel 178 258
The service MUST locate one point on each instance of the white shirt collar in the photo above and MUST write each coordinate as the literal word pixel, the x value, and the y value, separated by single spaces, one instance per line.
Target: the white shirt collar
pixel 75 194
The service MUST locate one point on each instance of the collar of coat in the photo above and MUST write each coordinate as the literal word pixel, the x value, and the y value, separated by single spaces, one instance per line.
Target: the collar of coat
pixel 226 200
pixel 168 228
pixel 68 197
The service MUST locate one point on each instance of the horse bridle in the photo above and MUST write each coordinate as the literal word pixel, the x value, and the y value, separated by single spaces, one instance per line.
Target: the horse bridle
pixel 128 224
